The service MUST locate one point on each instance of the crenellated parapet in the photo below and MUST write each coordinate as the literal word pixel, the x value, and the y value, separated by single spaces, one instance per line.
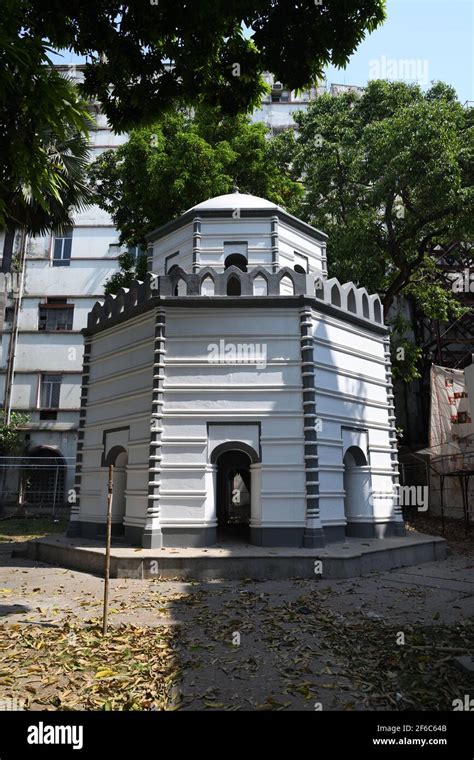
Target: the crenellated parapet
pixel 257 283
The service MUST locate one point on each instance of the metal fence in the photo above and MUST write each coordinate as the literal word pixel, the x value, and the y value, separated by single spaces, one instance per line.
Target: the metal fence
pixel 34 484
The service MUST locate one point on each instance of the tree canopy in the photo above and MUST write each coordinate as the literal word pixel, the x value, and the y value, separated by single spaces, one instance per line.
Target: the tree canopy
pixel 166 168
pixel 387 175
pixel 145 56
pixel 44 132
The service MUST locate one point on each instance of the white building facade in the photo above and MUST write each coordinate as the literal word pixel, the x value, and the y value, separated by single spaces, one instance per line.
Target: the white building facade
pixel 239 392
pixel 64 278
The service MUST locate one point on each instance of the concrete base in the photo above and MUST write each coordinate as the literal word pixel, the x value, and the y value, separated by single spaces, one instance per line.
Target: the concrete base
pixel 276 537
pixel 375 530
pixel 192 537
pixel 235 561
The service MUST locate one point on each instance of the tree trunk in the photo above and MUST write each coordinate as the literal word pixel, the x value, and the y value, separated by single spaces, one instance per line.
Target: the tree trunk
pixel 8 249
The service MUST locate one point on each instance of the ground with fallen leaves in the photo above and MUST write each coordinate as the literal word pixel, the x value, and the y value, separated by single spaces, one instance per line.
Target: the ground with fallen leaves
pixel 384 641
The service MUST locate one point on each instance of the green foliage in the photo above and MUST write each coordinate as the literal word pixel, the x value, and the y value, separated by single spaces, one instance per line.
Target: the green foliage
pixel 165 169
pixel 388 175
pixel 130 269
pixel 128 47
pixel 11 436
pixel 44 128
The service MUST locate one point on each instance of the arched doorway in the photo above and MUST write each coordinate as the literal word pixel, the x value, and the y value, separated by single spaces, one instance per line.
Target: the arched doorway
pixel 357 506
pixel 118 456
pixel 236 260
pixel 44 477
pixel 233 504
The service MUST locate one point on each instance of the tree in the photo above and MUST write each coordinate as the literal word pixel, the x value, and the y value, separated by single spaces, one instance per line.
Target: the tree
pixel 170 166
pixel 44 127
pixel 388 175
pixel 130 269
pixel 145 56
pixel 11 437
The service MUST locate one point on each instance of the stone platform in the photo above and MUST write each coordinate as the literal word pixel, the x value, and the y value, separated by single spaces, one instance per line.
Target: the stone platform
pixel 230 561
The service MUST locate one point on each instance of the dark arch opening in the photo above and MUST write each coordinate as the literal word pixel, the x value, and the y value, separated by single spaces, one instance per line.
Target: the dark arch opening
pixel 365 306
pixel 360 460
pixel 377 311
pixel 236 260
pixel 351 302
pixel 335 296
pixel 298 268
pixel 44 477
pixel 114 452
pixel 233 287
pixel 233 507
pixel 234 445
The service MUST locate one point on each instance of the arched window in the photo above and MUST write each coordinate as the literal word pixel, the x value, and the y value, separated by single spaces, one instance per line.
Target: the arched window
pixel 260 287
pixel 319 289
pixel 298 268
pixel 180 288
pixel 335 296
pixel 207 286
pixel 377 311
pixel 365 306
pixel 236 260
pixel 351 302
pixel 286 286
pixel 233 287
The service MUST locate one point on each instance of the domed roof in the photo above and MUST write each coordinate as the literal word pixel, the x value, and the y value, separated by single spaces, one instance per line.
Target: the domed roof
pixel 233 201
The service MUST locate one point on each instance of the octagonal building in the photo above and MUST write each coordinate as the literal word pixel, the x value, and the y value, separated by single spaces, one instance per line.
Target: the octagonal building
pixel 239 393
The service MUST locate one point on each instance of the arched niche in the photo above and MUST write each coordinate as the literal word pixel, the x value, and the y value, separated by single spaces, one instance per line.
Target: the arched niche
pixel 286 287
pixel 236 260
pixel 207 286
pixel 335 295
pixel 260 286
pixel 234 287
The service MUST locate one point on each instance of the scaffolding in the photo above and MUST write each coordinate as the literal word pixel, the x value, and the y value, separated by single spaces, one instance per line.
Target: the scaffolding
pixel 452 460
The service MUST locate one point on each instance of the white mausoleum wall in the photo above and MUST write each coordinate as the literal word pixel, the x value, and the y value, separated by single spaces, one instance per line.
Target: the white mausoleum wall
pixel 119 396
pixel 351 397
pixel 199 394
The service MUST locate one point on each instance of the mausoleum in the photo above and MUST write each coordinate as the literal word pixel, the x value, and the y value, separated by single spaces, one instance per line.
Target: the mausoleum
pixel 239 392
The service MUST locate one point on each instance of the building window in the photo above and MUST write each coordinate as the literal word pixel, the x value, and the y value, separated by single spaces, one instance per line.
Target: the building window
pixel 301 263
pixel 56 314
pixel 9 313
pixel 236 260
pixel 50 391
pixel 62 250
pixel 171 262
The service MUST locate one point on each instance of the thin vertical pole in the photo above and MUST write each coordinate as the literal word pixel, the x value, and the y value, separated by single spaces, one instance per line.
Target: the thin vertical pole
pixel 56 478
pixel 107 546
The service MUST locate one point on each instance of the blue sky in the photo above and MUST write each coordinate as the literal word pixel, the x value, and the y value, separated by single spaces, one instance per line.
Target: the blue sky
pixel 438 32
pixel 436 35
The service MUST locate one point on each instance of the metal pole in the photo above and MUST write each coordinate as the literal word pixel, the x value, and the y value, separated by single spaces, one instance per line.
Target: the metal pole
pixel 108 541
pixel 56 477
pixel 17 300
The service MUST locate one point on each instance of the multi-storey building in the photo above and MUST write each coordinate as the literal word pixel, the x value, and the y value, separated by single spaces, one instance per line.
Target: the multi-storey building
pixel 64 276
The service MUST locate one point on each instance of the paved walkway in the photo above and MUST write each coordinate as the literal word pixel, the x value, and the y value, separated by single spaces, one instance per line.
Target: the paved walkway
pixel 279 644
